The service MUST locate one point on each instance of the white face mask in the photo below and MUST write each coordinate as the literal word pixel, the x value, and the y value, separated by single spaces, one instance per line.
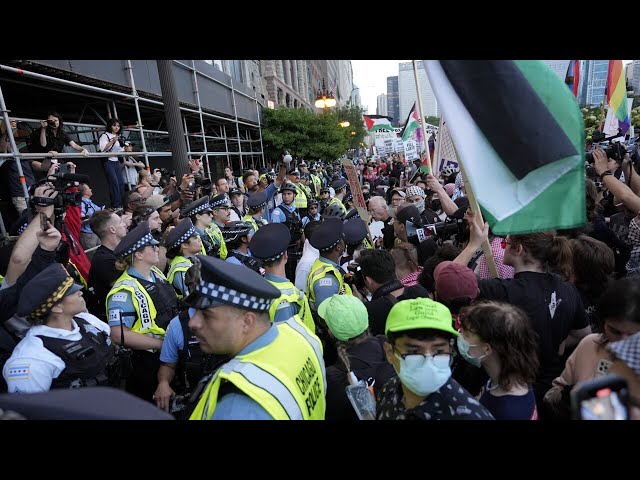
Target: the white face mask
pixel 463 348
pixel 423 375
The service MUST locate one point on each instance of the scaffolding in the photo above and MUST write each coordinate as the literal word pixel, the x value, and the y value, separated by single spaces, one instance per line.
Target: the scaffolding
pixel 58 84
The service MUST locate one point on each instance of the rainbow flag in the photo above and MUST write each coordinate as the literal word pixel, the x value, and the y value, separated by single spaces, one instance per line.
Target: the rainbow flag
pixel 617 94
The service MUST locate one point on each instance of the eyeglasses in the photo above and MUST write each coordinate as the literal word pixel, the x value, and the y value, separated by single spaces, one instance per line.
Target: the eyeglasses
pixel 440 359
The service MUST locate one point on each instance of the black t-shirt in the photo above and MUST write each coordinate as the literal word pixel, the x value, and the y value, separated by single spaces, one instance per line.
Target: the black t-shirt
pixel 380 306
pixel 102 275
pixel 54 143
pixel 554 308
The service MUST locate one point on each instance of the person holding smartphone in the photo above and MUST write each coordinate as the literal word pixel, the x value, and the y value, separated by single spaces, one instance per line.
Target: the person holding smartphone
pixel 110 141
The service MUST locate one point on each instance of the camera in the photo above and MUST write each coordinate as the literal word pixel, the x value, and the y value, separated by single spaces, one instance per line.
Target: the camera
pixel 354 276
pixel 441 230
pixel 51 123
pixel 603 398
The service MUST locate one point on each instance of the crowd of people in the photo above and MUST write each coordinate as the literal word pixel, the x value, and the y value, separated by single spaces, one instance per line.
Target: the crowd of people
pixel 271 294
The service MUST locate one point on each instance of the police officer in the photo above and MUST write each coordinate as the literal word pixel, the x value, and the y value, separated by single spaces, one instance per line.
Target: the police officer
pixel 183 243
pixel 256 204
pixel 316 183
pixel 66 347
pixel 312 213
pixel 140 306
pixel 220 207
pixel 286 213
pixel 355 235
pixel 325 198
pixel 340 188
pixel 325 277
pixel 182 362
pixel 353 214
pixel 270 245
pixel 277 371
pixel 237 236
pixel 201 216
pixel 300 200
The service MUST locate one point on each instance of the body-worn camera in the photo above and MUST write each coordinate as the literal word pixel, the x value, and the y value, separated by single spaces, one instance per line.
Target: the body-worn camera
pixel 354 276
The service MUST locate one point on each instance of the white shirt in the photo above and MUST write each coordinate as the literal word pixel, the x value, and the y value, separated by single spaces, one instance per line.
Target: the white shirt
pixel 31 367
pixel 309 255
pixel 106 138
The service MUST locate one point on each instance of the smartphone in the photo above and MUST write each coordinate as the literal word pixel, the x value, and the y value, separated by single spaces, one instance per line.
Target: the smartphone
pixel 63 168
pixel 603 398
pixel 44 222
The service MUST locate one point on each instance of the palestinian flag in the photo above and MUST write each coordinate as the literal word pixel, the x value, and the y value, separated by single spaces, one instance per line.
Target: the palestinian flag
pixel 411 124
pixel 377 122
pixel 519 135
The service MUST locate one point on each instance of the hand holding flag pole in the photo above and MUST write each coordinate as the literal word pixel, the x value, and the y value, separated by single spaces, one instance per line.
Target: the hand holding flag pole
pixel 477 216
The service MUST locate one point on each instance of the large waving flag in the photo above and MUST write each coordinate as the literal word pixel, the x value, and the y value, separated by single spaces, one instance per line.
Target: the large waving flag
pixel 412 123
pixel 519 135
pixel 572 79
pixel 617 94
pixel 377 122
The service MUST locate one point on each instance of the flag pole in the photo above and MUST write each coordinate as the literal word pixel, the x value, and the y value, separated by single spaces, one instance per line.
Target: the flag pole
pixel 475 207
pixel 436 153
pixel 422 121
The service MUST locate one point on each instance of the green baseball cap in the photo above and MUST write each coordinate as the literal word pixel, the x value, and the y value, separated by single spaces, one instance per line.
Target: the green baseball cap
pixel 419 313
pixel 346 316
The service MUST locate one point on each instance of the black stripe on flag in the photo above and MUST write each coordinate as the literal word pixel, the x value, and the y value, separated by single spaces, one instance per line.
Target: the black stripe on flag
pixel 510 114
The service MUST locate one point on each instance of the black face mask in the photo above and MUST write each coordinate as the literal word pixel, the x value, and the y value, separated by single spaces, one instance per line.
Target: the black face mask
pixel 436 205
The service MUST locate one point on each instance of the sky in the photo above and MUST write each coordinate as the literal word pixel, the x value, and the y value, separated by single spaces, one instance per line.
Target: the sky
pixel 370 76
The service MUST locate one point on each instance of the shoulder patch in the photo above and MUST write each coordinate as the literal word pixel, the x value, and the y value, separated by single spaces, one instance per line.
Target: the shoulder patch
pixel 19 372
pixel 119 297
pixel 114 316
pixel 325 282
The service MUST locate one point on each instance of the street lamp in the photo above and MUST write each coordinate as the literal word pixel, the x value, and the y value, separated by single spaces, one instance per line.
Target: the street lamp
pixel 325 98
pixel 344 124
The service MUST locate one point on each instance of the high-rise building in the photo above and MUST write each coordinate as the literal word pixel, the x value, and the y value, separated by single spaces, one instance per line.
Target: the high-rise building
pixel 594 82
pixel 635 82
pixel 559 67
pixel 381 108
pixel 407 91
pixel 393 101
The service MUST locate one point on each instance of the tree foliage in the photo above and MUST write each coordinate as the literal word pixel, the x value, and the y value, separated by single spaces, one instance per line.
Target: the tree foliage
pixel 433 120
pixel 308 135
pixel 594 116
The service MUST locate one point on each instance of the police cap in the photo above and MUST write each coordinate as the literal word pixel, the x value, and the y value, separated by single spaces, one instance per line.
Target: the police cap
pixel 180 234
pixel 198 206
pixel 219 201
pixel 135 240
pixel 339 183
pixel 270 242
pixel 43 291
pixel 223 283
pixel 352 213
pixel 231 231
pixel 257 200
pixel 328 234
pixel 355 231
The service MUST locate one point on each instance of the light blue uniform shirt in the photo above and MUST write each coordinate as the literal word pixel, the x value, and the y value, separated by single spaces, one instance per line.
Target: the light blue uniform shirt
pixel 174 340
pixel 277 216
pixel 327 285
pixel 305 220
pixel 237 406
pixel 120 305
pixel 283 314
